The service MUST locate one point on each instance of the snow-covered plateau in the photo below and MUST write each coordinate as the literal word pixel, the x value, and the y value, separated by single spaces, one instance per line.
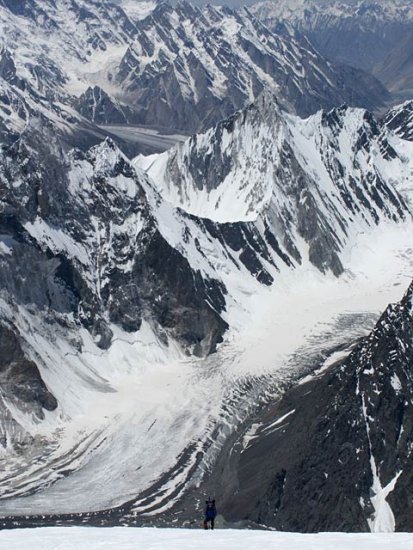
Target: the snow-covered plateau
pixel 120 538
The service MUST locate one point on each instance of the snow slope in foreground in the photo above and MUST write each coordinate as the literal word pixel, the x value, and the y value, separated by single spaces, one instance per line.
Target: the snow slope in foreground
pixel 121 538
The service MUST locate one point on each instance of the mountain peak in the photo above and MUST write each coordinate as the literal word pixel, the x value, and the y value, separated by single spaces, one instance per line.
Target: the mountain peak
pixel 107 157
pixel 263 163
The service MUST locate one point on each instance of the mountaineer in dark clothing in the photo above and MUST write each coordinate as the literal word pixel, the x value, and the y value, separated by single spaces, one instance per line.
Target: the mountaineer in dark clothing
pixel 210 513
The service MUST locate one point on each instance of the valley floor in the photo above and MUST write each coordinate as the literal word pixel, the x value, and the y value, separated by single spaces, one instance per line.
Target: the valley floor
pixel 124 428
pixel 121 538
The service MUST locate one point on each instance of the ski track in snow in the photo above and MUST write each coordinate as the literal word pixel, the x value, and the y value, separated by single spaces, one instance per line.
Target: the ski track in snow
pixel 121 538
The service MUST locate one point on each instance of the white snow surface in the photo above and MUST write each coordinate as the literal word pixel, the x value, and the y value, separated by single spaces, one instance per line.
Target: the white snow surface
pixel 122 538
pixel 138 9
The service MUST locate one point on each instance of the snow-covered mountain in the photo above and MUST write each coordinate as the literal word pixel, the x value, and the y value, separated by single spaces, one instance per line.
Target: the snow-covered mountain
pixel 372 35
pixel 363 11
pixel 27 110
pixel 144 328
pixel 97 106
pixel 54 41
pixel 150 311
pixel 314 179
pixel 180 67
pixel 192 66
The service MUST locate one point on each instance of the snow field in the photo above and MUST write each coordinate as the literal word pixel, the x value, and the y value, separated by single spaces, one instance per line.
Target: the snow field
pixel 122 538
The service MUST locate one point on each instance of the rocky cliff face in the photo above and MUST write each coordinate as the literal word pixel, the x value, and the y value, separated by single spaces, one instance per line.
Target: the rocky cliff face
pixel 334 453
pixel 130 302
pixel 110 260
pixel 112 255
pixel 400 120
pixel 97 106
pixel 31 109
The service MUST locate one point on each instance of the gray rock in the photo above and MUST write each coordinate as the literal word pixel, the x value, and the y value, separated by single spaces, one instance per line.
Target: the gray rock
pixel 98 107
pixel 313 470
pixel 400 120
pixel 141 277
pixel 370 35
pixel 20 379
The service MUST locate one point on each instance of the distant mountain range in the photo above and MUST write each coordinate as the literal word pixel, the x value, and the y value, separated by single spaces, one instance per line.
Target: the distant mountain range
pixel 177 67
pixel 375 36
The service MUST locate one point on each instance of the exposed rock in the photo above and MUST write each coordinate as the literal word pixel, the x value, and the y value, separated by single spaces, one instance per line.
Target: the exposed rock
pixel 327 450
pixel 98 107
pixel 99 208
pixel 20 379
pixel 212 61
pixel 400 120
pixel 253 167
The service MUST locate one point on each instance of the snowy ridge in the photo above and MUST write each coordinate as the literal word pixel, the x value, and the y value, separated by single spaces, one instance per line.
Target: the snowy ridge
pixel 178 67
pixel 146 317
pixel 374 35
pixel 259 151
pixel 23 107
pixel 137 291
pixel 68 37
pixel 397 125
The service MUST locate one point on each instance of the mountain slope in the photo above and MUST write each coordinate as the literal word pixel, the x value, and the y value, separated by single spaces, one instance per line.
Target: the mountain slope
pixel 396 70
pixel 27 111
pixel 343 437
pixel 191 67
pixel 97 243
pixel 400 120
pixel 178 67
pixel 97 106
pixel 144 334
pixel 308 179
pixel 371 35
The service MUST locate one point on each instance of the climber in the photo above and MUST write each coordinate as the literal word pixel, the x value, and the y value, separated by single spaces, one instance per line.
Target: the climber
pixel 210 513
